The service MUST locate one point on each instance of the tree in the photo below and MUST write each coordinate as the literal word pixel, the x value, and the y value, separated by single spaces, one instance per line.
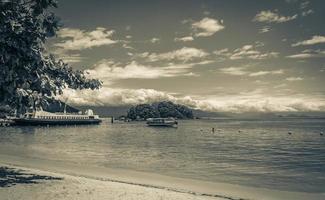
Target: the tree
pixel 160 109
pixel 30 76
pixel 143 111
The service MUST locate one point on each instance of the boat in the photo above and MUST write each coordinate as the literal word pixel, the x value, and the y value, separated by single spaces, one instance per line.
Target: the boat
pixel 47 118
pixel 162 122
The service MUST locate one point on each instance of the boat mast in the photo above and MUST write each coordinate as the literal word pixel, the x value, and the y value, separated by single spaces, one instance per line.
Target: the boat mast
pixel 65 108
pixel 65 105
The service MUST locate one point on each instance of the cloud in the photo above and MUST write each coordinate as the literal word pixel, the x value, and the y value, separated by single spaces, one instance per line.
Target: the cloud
pixel 154 40
pixel 246 52
pixel 307 12
pixel 317 39
pixel 264 29
pixel 240 71
pixel 72 58
pixel 184 39
pixel 207 27
pixel 237 71
pixel 308 53
pixel 294 79
pixel 67 56
pixel 183 54
pixel 127 46
pixel 77 39
pixel 304 4
pixel 108 71
pixel 272 17
pixel 262 73
pixel 291 1
pixel 250 102
pixel 301 55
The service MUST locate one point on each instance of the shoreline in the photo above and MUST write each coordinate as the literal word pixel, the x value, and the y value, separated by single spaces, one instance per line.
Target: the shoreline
pixel 164 184
pixel 52 185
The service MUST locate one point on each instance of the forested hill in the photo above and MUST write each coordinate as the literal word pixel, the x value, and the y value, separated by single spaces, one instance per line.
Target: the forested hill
pixel 159 109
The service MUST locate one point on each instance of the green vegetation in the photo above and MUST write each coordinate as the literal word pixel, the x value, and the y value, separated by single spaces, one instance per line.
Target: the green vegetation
pixel 159 109
pixel 30 77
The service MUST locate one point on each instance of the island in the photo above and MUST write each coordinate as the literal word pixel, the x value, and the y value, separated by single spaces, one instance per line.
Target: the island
pixel 161 109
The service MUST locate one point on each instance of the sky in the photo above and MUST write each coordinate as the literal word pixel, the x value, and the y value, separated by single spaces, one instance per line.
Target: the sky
pixel 226 56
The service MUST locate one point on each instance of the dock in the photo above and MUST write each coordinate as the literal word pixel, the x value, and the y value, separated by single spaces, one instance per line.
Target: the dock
pixel 5 122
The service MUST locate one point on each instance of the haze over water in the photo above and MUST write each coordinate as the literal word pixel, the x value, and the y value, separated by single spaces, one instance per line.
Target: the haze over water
pixel 257 153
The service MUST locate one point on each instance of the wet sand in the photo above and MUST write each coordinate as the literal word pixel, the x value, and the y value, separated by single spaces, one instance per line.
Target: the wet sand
pixel 73 181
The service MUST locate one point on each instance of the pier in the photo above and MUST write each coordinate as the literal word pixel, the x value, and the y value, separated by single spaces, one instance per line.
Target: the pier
pixel 5 122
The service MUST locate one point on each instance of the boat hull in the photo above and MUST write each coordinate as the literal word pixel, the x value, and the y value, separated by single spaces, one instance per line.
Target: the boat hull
pixel 42 122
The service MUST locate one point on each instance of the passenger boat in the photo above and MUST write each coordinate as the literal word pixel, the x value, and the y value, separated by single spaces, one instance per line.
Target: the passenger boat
pixel 46 118
pixel 161 122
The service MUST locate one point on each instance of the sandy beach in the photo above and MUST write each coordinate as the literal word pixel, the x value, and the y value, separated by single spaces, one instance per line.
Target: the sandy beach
pixel 24 183
pixel 29 178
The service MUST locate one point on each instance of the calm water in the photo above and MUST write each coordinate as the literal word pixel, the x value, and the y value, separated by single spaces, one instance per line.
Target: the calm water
pixel 260 154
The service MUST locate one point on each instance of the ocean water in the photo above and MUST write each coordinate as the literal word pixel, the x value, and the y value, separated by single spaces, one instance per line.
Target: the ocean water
pixel 258 153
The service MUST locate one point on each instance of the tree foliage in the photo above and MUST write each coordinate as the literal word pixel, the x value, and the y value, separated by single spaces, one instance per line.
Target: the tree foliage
pixel 159 109
pixel 30 76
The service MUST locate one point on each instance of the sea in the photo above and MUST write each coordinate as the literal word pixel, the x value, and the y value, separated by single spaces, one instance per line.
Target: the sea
pixel 250 152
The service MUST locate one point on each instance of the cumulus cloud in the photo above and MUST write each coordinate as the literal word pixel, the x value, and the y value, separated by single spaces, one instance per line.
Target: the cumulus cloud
pixel 317 39
pixel 272 17
pixel 108 71
pixel 77 39
pixel 207 27
pixel 184 39
pixel 250 102
pixel 183 54
pixel 294 79
pixel 308 53
pixel 246 52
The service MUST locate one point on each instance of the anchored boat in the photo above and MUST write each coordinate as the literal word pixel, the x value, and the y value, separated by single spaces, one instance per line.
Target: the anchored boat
pixel 161 122
pixel 47 118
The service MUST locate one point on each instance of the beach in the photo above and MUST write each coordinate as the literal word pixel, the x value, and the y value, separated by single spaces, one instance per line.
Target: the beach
pixel 55 180
pixel 66 187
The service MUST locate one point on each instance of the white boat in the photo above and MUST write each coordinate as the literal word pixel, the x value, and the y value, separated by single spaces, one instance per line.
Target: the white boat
pixel 47 118
pixel 161 122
